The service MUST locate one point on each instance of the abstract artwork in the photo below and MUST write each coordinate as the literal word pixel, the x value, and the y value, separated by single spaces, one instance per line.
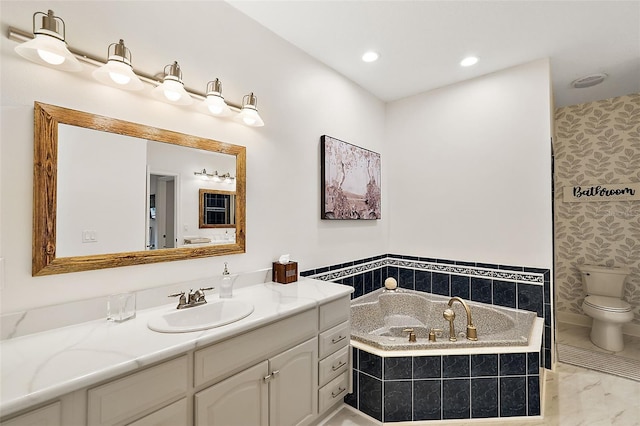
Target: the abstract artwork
pixel 350 181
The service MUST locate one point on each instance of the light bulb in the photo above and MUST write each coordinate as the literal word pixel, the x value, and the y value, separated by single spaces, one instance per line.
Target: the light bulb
pixel 171 95
pixel 50 57
pixel 119 78
pixel 215 109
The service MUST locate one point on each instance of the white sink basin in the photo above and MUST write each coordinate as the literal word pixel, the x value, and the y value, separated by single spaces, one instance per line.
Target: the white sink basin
pixel 210 315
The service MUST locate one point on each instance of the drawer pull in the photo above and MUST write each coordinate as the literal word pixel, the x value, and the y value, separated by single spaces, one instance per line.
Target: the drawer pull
pixel 336 394
pixel 338 339
pixel 339 366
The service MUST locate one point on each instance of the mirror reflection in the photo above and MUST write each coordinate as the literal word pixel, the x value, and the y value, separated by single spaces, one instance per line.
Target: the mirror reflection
pixel 112 193
pixel 217 208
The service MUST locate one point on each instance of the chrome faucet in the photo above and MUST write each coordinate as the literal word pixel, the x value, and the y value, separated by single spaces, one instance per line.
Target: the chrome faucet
pixel 193 298
pixel 472 332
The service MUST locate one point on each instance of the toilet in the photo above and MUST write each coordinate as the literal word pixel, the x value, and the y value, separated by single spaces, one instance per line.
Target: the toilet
pixel 605 287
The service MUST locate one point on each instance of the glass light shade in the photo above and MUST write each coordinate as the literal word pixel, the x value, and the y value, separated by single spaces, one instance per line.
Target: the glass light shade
pixel 49 50
pixel 118 73
pixel 172 91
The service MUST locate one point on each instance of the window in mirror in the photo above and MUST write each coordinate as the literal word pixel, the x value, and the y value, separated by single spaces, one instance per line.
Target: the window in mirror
pixel 217 209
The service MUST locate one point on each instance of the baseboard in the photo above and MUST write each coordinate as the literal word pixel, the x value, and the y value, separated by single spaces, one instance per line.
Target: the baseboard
pixel 585 321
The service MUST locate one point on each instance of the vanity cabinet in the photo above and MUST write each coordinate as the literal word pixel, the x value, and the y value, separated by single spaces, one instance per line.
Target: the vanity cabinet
pixel 288 372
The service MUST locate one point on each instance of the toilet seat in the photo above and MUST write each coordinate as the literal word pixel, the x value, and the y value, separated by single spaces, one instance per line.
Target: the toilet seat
pixel 609 304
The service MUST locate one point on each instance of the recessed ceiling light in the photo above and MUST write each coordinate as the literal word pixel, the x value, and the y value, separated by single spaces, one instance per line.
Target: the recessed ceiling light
pixel 468 61
pixel 370 56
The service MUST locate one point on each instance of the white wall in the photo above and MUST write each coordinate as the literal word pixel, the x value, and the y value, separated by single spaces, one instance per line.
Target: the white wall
pixel 469 170
pixel 299 99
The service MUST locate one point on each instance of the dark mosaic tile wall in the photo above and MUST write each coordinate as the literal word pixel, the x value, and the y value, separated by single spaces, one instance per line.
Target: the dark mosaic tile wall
pixel 445 387
pixel 503 285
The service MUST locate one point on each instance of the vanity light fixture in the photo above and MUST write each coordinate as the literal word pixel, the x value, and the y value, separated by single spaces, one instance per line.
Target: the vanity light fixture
pixel 214 102
pixel 205 175
pixel 249 112
pixel 172 88
pixel 118 72
pixel 49 43
pixel 226 178
pixel 48 47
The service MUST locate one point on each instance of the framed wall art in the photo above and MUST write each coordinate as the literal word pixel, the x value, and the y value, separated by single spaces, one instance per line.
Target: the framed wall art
pixel 350 181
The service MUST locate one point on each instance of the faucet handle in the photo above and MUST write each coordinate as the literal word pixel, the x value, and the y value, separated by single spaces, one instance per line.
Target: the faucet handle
pixel 412 334
pixel 183 299
pixel 434 333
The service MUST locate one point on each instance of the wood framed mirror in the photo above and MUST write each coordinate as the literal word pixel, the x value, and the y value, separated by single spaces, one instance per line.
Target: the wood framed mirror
pixel 107 224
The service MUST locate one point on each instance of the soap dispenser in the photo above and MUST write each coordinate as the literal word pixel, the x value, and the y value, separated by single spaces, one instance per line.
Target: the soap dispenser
pixel 226 287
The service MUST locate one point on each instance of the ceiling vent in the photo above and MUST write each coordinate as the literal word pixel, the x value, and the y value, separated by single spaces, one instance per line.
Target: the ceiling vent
pixel 588 80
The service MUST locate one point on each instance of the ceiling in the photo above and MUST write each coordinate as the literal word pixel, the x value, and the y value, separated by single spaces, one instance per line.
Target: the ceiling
pixel 422 42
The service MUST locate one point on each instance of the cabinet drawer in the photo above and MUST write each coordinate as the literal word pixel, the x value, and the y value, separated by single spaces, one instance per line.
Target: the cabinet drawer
pixel 149 389
pixel 333 392
pixel 49 415
pixel 334 339
pixel 333 365
pixel 224 358
pixel 333 313
pixel 171 415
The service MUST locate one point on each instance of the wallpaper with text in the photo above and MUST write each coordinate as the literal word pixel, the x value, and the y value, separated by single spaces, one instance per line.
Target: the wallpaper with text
pixel 596 143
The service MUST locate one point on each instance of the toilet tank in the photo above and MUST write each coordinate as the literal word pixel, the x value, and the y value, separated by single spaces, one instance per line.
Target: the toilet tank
pixel 603 280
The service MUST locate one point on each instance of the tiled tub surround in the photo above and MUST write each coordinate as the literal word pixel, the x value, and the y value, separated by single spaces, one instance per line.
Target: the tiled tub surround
pixel 398 381
pixel 379 318
pixel 502 285
pixel 440 387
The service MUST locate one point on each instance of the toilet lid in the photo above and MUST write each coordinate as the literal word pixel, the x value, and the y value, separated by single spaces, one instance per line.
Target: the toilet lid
pixel 605 303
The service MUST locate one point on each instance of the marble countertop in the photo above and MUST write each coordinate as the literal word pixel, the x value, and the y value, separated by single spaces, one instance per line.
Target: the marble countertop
pixel 38 367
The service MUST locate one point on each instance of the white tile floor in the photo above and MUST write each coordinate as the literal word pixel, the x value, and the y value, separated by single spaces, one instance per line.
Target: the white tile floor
pixel 574 396
pixel 578 336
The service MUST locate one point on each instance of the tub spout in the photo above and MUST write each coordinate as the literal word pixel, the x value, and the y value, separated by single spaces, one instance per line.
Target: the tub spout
pixel 472 332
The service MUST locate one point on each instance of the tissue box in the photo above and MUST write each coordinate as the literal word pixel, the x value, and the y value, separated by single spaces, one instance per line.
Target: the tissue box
pixel 284 273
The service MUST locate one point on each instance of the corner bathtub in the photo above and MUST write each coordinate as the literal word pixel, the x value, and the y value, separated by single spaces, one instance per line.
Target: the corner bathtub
pixel 394 380
pixel 379 318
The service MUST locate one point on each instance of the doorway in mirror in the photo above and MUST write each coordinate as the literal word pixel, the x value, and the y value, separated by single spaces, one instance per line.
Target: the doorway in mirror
pixel 162 207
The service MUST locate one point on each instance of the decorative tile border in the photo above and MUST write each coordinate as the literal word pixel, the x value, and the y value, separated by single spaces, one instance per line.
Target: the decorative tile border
pixel 465 270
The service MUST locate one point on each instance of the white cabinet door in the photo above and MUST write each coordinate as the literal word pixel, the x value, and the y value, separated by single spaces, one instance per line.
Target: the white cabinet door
pixel 293 397
pixel 240 400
